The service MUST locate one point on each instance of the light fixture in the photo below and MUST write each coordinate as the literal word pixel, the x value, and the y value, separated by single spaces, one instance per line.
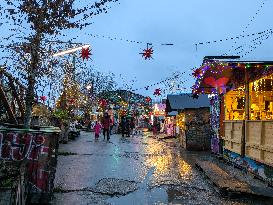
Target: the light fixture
pixel 71 50
pixel 88 87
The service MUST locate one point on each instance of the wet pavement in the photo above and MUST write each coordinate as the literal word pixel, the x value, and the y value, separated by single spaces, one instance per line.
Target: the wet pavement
pixel 137 170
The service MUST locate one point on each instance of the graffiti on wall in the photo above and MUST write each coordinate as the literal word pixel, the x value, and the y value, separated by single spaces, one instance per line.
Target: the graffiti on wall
pixel 34 148
pixel 259 169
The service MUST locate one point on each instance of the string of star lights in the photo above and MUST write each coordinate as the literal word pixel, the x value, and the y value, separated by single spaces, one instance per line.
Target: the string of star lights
pixel 211 69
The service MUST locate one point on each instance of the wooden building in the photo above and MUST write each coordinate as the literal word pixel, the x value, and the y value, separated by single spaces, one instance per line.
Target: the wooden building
pixel 242 102
pixel 192 120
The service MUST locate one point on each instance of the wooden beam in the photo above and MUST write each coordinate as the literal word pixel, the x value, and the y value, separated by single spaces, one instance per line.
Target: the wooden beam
pixel 6 105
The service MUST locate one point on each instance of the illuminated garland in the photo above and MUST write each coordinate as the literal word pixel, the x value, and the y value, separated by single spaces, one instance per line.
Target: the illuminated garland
pixel 237 78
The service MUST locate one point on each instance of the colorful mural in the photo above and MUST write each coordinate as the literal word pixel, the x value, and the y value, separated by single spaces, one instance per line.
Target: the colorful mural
pixel 215 123
pixel 259 169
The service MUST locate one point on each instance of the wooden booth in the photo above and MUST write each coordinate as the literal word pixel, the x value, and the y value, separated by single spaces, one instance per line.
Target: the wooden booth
pixel 242 112
pixel 192 120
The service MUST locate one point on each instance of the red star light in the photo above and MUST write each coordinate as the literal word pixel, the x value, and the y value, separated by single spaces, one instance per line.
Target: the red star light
pixel 85 53
pixel 148 99
pixel 43 98
pixel 196 73
pixel 148 52
pixel 157 92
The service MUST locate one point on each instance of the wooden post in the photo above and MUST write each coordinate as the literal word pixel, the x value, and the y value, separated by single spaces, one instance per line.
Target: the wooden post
pixel 243 146
pixel 246 96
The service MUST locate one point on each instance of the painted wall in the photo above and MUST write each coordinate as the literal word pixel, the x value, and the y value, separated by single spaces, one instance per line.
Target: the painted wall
pixel 260 170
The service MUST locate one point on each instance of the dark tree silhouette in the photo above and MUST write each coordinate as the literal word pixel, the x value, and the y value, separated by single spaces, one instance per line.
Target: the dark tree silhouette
pixel 34 29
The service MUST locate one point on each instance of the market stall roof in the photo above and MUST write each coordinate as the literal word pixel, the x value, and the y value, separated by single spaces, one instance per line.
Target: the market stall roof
pixel 184 101
pixel 216 76
pixel 172 113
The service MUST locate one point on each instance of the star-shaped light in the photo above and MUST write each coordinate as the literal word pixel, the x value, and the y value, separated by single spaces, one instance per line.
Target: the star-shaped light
pixel 85 53
pixel 148 52
pixel 43 98
pixel 148 99
pixel 157 92
pixel 196 73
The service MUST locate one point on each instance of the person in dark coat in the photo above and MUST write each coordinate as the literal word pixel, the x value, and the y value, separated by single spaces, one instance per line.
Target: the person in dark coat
pixel 128 126
pixel 123 125
pixel 132 126
pixel 106 123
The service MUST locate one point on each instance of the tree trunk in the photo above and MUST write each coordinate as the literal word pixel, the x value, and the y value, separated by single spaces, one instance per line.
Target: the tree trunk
pixel 33 70
pixel 29 101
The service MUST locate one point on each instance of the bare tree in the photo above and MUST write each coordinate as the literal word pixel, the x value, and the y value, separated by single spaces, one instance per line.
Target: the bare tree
pixel 93 82
pixel 35 27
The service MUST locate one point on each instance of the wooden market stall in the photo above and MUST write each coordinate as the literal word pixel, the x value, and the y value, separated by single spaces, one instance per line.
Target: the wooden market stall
pixel 192 120
pixel 245 111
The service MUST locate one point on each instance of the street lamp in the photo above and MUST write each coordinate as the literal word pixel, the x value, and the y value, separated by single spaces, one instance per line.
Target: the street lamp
pixel 71 50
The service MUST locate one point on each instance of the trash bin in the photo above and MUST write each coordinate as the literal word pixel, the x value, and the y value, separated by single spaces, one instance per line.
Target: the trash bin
pixel 35 153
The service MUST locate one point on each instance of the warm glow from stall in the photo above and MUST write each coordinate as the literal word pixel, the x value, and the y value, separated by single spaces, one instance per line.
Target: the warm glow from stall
pixel 260 101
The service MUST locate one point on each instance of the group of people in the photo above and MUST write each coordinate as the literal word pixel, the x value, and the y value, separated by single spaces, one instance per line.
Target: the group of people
pixel 127 126
pixel 106 125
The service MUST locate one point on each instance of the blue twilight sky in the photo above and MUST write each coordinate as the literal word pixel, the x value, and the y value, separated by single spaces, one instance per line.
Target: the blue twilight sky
pixel 181 22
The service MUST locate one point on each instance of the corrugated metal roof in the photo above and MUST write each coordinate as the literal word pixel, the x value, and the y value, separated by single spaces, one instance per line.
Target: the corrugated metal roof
pixel 185 100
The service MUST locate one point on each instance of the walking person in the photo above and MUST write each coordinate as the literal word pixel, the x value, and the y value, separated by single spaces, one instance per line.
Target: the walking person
pixel 155 128
pixel 111 124
pixel 132 126
pixel 123 125
pixel 106 121
pixel 97 129
pixel 128 126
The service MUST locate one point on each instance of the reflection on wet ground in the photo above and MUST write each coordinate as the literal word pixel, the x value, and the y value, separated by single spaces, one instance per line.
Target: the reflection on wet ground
pixel 139 170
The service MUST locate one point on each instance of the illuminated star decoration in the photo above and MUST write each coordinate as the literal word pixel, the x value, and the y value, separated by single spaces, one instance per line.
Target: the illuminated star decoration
pixel 103 102
pixel 43 98
pixel 148 99
pixel 196 73
pixel 157 92
pixel 148 52
pixel 85 53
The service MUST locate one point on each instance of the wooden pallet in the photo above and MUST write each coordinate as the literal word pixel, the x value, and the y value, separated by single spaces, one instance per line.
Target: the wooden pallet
pixel 227 185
